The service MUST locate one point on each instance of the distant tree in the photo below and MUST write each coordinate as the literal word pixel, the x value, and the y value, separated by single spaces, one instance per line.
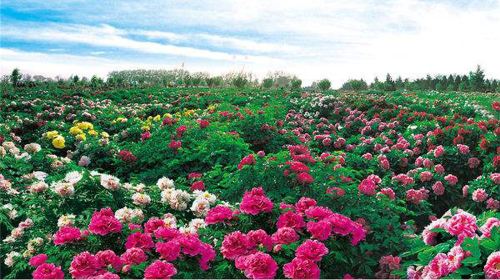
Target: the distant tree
pixel 389 84
pixel 355 85
pixel 399 83
pixel 76 79
pixel 96 82
pixel 240 81
pixel 324 84
pixel 296 83
pixel 476 80
pixel 15 77
pixel 267 83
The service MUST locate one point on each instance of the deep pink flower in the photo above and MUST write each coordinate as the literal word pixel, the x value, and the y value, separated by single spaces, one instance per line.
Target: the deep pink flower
pixel 153 224
pixel 438 188
pixel 175 145
pixel 319 230
pixel 312 250
pixel 388 192
pixel 166 233
pixel 203 123
pixel 255 202
pixel 290 219
pixel 104 222
pixel 318 212
pixel 218 214
pixel 134 256
pixel 462 225
pixel 84 265
pixel 301 269
pixel 140 240
pixel 105 275
pixel 285 235
pixel 298 167
pixel 248 160
pixel 198 185
pixel 488 226
pixel 160 270
pixel 48 271
pixel 169 251
pixel 109 258
pixel 260 237
pixel 257 266
pixel 492 266
pixel 67 234
pixel 37 260
pixel 305 178
pixel 235 244
pixel 304 203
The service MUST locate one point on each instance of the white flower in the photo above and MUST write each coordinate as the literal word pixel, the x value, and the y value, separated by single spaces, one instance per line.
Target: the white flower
pixel 127 215
pixel 110 182
pixel 73 177
pixel 63 188
pixel 66 220
pixel 141 199
pixel 206 195
pixel 196 224
pixel 32 148
pixel 170 220
pixel 165 183
pixel 200 207
pixel 40 175
pixel 84 161
pixel 37 187
pixel 10 258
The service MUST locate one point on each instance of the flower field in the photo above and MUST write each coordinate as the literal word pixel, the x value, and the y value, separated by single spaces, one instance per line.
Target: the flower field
pixel 249 183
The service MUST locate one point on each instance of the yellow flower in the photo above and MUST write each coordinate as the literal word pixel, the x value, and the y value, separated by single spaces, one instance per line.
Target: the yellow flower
pixel 58 142
pixel 52 134
pixel 104 134
pixel 157 118
pixel 211 107
pixel 167 115
pixel 146 127
pixel 81 137
pixel 75 130
pixel 92 132
pixel 85 125
pixel 189 113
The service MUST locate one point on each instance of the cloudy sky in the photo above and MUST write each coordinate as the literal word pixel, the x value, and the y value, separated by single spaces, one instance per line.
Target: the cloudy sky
pixel 313 39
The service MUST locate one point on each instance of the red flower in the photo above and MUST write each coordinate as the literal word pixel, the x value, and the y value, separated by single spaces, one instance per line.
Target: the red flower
pixel 496 106
pixel 198 185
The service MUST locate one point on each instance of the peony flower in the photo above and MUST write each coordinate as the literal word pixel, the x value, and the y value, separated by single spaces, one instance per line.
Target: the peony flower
pixel 248 160
pixel 160 270
pixel 38 260
pixel 255 202
pixel 305 178
pixel 139 240
pixel 218 214
pixel 235 244
pixel 257 266
pixel 260 238
pixel 492 266
pixel 141 199
pixel 304 203
pixel 312 250
pixel 285 235
pixel 133 256
pixel 451 179
pixel 48 271
pixel 165 183
pixel 67 234
pixel 108 258
pixel 479 195
pixel 104 222
pixel 168 251
pixel 438 188
pixel 301 269
pixel 462 225
pixel 488 226
pixel 290 219
pixel 110 182
pixel 84 265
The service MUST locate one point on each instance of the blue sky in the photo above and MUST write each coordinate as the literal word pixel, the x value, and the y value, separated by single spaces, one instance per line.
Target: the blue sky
pixel 313 39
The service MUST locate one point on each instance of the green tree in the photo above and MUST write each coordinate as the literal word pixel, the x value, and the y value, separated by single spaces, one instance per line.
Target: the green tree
pixel 267 83
pixel 15 77
pixel 476 80
pixel 296 83
pixel 324 84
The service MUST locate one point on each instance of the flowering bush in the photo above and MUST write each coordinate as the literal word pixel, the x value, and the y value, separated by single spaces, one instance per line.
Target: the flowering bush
pixel 190 183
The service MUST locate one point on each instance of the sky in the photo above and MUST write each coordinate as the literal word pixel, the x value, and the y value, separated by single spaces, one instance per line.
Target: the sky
pixel 313 39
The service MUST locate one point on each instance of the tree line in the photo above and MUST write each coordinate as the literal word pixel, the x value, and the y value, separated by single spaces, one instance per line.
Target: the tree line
pixel 475 81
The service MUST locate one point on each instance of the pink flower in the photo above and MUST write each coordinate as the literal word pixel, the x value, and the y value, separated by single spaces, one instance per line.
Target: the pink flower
pixel 390 262
pixel 175 145
pixel 105 275
pixel 301 269
pixel 37 260
pixel 298 167
pixel 153 224
pixel 495 177
pixel 285 235
pixel 416 196
pixel 257 266
pixel 248 160
pixel 318 212
pixel 438 188
pixel 235 244
pixel 490 224
pixel 255 202
pixel 169 251
pixel 319 230
pixel 260 237
pixel 492 204
pixel 312 250
pixel 104 222
pixel 218 214
pixel 463 149
pixel 198 185
pixel 425 176
pixel 492 266
pixel 439 151
pixel 388 192
pixel 304 203
pixel 465 190
pixel 145 136
pixel 428 235
pixel 207 254
pixel 84 265
pixel 290 219
pixel 367 187
pixel 134 256
pixel 48 271
pixel 479 195
pixel 109 258
pixel 305 178
pixel 473 162
pixel 67 234
pixel 451 179
pixel 160 270
pixel 203 123
pixel 166 233
pixel 462 225
pixel 439 169
pixel 139 240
